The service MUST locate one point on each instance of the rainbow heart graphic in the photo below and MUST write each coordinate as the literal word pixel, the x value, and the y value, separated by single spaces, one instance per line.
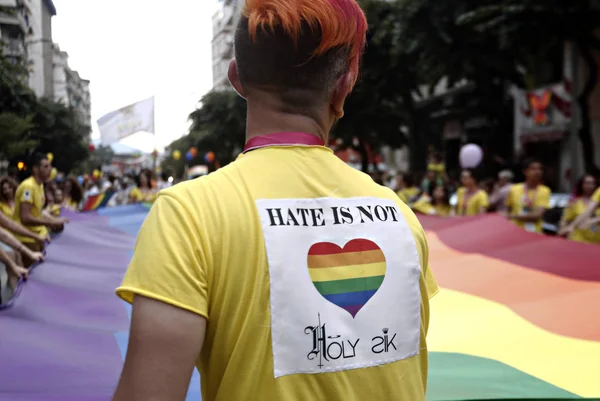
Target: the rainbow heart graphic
pixel 347 277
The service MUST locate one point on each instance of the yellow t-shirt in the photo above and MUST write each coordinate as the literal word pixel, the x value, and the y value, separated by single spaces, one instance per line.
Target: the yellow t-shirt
pixel 571 212
pixel 407 194
pixel 423 205
pixel 315 286
pixel 7 209
pixel 142 196
pixel 596 197
pixel 438 168
pixel 474 204
pixel 30 192
pixel 518 202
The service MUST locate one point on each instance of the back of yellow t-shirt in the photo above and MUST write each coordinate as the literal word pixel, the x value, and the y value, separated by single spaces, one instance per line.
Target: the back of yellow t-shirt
pixel 519 202
pixel 29 191
pixel 314 279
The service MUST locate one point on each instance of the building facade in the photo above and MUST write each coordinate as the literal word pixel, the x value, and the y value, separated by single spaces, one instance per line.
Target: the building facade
pixel 15 29
pixel 40 48
pixel 69 88
pixel 224 23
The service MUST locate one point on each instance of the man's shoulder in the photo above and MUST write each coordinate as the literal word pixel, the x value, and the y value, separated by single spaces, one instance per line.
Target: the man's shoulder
pixel 514 188
pixel 201 189
pixel 545 189
pixel 27 183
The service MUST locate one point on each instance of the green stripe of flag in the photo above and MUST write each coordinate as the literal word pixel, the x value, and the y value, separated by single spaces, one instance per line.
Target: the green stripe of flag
pixel 350 285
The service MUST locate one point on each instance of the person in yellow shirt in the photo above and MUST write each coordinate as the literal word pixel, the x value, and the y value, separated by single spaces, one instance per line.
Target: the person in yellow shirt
pixel 583 196
pixel 406 189
pixel 436 165
pixel 73 194
pixel 8 188
pixel 527 202
pixel 471 200
pixel 143 191
pixel 30 202
pixel 437 203
pixel 279 276
pixel 588 219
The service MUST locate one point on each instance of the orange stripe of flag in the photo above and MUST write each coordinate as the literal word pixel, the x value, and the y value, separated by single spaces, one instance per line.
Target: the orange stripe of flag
pixel 345 259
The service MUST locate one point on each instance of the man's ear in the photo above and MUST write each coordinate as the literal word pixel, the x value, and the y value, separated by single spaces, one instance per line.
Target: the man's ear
pixel 340 93
pixel 234 79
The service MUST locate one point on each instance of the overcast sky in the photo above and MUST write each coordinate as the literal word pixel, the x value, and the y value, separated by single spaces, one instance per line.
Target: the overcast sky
pixel 134 49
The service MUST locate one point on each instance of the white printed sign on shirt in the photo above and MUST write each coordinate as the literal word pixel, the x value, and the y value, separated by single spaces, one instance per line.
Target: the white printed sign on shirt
pixel 344 282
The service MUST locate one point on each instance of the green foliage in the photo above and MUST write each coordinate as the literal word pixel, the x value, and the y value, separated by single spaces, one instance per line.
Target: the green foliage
pixel 528 30
pixel 29 124
pixel 218 126
pixel 13 129
pixel 58 130
pixel 411 46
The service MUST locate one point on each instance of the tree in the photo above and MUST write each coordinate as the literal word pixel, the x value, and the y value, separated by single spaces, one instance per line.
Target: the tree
pixel 29 124
pixel 58 130
pixel 218 126
pixel 528 26
pixel 381 102
pixel 13 129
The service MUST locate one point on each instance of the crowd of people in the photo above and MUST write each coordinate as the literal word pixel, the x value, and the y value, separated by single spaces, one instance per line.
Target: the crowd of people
pixel 30 210
pixel 524 203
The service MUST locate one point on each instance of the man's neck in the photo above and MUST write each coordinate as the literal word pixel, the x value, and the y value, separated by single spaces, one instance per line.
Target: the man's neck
pixel 263 119
pixel 37 179
pixel 472 188
pixel 532 184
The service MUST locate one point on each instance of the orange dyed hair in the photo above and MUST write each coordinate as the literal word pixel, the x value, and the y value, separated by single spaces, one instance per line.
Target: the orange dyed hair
pixel 299 44
pixel 340 23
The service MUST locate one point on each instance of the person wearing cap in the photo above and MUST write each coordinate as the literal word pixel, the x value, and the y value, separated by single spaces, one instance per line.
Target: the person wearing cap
pixel 286 275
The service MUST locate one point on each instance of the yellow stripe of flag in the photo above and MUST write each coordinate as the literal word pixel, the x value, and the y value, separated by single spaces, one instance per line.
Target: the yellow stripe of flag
pixel 345 259
pixel 347 272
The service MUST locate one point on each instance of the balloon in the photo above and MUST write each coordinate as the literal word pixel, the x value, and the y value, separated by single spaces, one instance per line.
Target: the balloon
pixel 155 153
pixel 176 154
pixel 194 151
pixel 97 173
pixel 53 173
pixel 92 147
pixel 50 157
pixel 80 180
pixel 470 156
pixel 209 157
pixel 189 156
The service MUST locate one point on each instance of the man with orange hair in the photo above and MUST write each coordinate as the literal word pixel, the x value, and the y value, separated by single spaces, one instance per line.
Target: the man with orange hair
pixel 286 275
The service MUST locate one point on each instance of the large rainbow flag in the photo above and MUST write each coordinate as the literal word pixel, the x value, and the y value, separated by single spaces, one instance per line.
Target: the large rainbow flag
pixel 517 317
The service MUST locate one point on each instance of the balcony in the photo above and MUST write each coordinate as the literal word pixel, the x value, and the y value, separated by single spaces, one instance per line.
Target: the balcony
pixel 15 18
pixel 15 48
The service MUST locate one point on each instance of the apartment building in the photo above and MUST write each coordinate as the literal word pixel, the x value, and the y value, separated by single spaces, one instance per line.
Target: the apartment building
pixel 15 29
pixel 40 48
pixel 69 88
pixel 224 22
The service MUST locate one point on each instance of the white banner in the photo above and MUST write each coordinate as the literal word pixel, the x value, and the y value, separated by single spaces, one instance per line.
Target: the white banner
pixel 127 121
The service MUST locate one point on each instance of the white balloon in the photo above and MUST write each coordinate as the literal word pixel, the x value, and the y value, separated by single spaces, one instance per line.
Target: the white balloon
pixel 470 156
